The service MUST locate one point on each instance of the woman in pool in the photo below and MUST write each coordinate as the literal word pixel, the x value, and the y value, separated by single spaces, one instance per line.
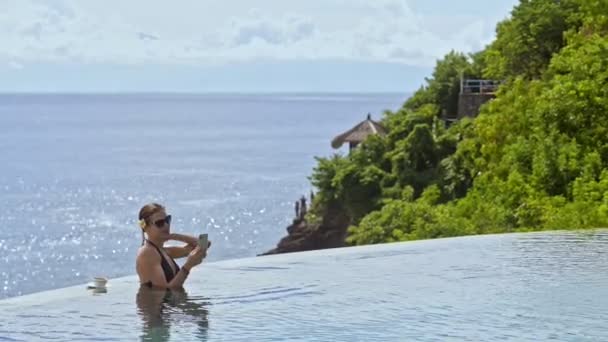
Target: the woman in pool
pixel 155 263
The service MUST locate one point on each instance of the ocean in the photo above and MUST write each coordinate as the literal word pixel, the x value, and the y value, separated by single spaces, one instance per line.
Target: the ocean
pixel 77 168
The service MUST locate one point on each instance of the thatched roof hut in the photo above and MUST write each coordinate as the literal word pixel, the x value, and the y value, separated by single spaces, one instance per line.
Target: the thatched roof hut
pixel 357 134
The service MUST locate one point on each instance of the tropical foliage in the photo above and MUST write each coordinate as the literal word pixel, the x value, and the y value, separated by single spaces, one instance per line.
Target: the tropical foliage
pixel 534 158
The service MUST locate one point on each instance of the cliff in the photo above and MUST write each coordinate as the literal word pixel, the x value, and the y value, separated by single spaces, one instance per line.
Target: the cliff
pixel 304 236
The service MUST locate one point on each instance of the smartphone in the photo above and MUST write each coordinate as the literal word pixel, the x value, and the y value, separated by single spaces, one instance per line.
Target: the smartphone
pixel 203 241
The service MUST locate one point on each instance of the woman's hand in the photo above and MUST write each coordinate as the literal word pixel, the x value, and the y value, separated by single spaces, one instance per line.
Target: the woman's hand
pixel 195 257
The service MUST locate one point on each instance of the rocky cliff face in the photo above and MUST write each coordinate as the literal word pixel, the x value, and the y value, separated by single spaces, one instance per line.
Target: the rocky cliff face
pixel 302 236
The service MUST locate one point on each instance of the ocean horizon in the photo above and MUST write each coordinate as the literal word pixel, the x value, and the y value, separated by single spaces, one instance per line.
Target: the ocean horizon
pixel 77 168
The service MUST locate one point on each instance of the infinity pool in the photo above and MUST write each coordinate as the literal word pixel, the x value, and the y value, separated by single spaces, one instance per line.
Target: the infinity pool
pixel 520 287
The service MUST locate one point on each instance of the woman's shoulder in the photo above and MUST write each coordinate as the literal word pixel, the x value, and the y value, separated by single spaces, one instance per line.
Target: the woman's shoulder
pixel 146 251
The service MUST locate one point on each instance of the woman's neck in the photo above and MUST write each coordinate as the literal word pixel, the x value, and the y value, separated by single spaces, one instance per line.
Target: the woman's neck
pixel 157 242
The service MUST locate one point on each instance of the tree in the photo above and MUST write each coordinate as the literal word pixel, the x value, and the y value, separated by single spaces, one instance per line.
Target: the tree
pixel 526 42
pixel 443 87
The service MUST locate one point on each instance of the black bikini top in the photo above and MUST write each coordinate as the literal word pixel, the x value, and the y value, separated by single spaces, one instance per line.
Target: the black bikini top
pixel 169 274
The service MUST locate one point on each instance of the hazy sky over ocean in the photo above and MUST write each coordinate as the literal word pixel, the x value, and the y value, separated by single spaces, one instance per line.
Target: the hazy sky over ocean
pixel 235 45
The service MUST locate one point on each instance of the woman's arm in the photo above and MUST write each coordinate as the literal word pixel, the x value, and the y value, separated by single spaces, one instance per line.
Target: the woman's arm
pixel 150 270
pixel 180 252
pixel 190 240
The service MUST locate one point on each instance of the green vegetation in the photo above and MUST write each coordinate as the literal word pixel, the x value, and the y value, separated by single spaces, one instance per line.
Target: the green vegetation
pixel 535 158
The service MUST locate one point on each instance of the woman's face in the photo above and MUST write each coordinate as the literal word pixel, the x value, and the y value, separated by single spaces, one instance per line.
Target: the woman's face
pixel 158 226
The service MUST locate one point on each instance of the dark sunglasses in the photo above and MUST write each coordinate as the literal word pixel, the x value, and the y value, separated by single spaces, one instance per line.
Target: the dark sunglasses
pixel 161 223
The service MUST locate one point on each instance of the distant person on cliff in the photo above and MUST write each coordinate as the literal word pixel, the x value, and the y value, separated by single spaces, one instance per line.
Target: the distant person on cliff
pixel 297 209
pixel 303 207
pixel 155 263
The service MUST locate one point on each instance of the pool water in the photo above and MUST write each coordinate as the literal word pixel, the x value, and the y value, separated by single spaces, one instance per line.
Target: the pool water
pixel 517 287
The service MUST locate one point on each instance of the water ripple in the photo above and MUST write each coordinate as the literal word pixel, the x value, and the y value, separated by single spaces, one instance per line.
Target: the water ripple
pixel 493 288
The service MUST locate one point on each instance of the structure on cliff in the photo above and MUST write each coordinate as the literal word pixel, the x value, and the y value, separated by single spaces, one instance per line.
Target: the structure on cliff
pixel 359 133
pixel 473 94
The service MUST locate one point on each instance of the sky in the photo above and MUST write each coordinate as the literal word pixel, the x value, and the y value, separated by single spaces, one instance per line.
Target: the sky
pixel 235 45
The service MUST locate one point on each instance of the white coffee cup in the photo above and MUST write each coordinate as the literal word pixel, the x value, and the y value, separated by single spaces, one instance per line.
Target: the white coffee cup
pixel 100 282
